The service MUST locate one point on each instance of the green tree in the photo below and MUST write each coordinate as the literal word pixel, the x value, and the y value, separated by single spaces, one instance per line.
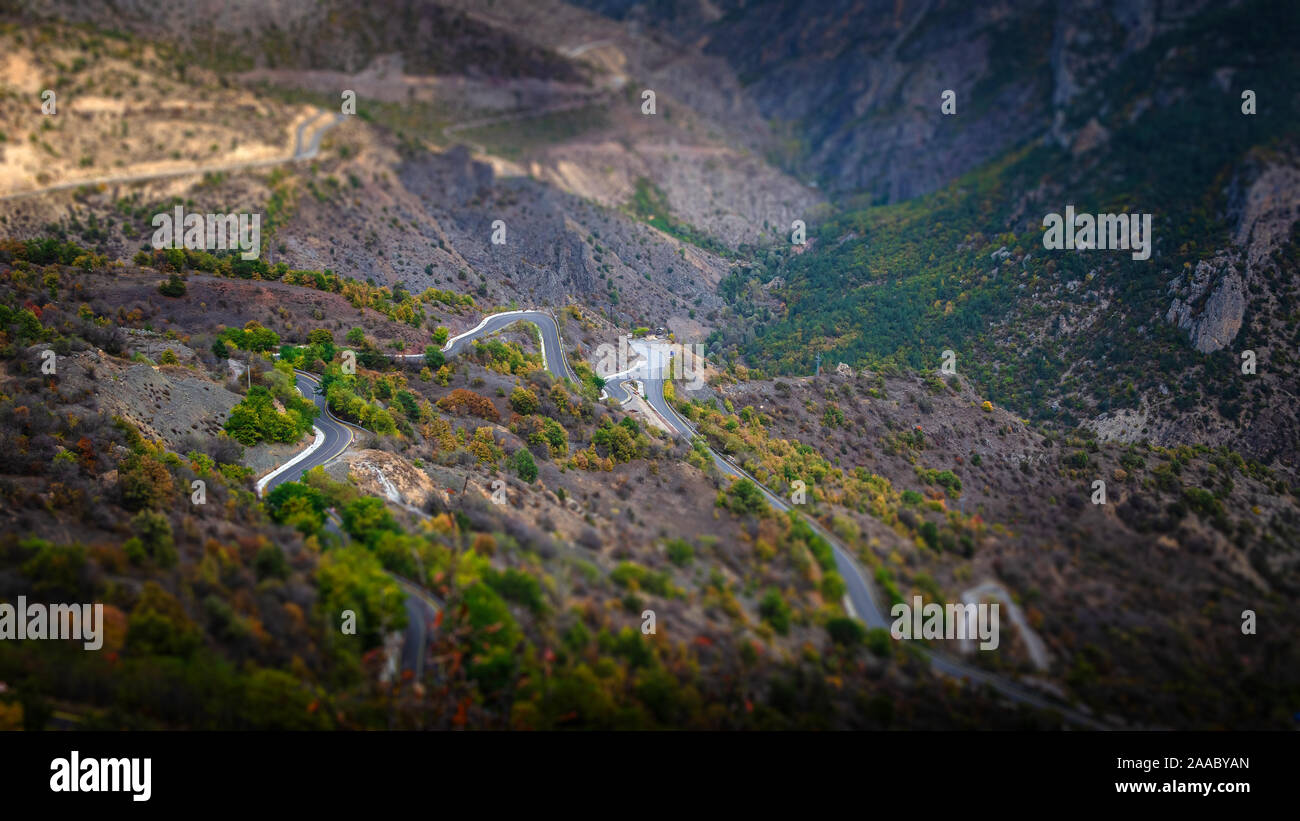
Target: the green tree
pixel 524 465
pixel 846 631
pixel 433 357
pixel 351 578
pixel 255 419
pixel 159 625
pixel 53 568
pixel 366 518
pixel 298 505
pixel 323 341
pixel 258 338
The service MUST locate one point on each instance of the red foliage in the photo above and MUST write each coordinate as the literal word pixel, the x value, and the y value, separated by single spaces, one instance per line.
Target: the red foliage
pixel 467 401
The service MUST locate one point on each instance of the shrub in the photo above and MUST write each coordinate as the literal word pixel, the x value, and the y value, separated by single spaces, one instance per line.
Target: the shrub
pixel 367 518
pixel 879 641
pixel 617 441
pixel 144 482
pixel 680 552
pixel 774 610
pixel 524 401
pixel 296 504
pixel 255 419
pixel 54 569
pixel 159 625
pixel 744 497
pixel 155 534
pixel 553 435
pixel 1078 459
pixel 462 400
pixel 173 287
pixel 351 578
pixel 270 563
pixel 846 631
pixel 523 464
pixel 517 586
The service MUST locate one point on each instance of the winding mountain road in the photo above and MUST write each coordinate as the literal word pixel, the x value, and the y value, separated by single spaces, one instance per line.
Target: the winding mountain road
pixel 860 600
pixel 333 438
pixel 552 348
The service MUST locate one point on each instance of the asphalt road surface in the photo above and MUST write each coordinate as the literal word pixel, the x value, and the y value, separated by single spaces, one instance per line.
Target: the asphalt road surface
pixel 338 434
pixel 860 599
pixel 552 348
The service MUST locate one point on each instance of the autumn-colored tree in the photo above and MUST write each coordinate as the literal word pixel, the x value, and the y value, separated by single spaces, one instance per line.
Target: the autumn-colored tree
pixel 524 401
pixel 466 401
pixel 144 482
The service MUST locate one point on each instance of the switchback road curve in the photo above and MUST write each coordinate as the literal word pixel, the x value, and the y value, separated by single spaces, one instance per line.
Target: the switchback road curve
pixel 860 599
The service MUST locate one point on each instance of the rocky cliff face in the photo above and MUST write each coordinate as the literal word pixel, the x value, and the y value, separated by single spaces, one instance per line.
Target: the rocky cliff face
pixel 858 83
pixel 1209 303
pixel 1269 209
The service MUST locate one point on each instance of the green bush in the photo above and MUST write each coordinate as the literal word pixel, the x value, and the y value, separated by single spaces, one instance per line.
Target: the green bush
pixel 434 358
pixel 774 610
pixel 524 466
pixel 744 497
pixel 173 287
pixel 680 552
pixel 846 631
pixel 517 586
pixel 155 534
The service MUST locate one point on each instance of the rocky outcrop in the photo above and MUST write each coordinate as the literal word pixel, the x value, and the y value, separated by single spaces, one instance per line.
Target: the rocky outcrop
pixel 1270 206
pixel 1124 425
pixel 1210 304
pixel 378 473
pixel 1211 322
